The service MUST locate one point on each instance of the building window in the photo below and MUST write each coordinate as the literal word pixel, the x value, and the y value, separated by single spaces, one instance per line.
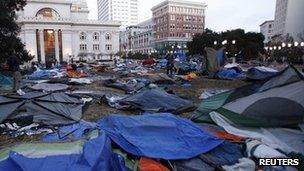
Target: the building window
pixel 96 36
pixel 96 47
pixel 108 47
pixel 108 36
pixel 83 47
pixel 83 36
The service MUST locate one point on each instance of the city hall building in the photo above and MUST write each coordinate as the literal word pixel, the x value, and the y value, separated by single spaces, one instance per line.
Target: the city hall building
pixel 58 30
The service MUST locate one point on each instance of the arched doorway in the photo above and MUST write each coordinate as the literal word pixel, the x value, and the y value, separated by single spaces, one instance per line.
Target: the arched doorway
pixel 49 41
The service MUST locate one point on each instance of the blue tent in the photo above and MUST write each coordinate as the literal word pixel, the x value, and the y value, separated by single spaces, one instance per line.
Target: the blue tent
pixel 5 82
pixel 161 135
pixel 96 154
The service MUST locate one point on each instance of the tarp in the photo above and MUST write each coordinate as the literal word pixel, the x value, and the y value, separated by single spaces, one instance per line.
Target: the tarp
pixel 157 100
pixel 253 105
pixel 52 108
pixel 212 62
pixel 161 135
pixel 95 154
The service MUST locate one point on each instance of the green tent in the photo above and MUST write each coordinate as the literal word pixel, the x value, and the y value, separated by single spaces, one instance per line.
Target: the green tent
pixel 277 101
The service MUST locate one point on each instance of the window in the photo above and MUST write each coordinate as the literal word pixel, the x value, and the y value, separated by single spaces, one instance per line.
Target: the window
pixel 83 36
pixel 47 13
pixel 96 36
pixel 96 47
pixel 108 36
pixel 108 47
pixel 83 47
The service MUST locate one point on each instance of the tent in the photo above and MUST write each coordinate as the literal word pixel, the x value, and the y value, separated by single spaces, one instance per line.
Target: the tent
pixel 49 87
pixel 277 101
pixel 157 100
pixel 161 135
pixel 5 82
pixel 47 108
pixel 260 73
pixel 94 154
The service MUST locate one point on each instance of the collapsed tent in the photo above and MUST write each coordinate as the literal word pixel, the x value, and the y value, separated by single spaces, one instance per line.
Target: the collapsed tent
pixel 94 154
pixel 260 73
pixel 160 78
pixel 129 87
pixel 45 74
pixel 49 87
pixel 50 109
pixel 277 101
pixel 157 100
pixel 161 135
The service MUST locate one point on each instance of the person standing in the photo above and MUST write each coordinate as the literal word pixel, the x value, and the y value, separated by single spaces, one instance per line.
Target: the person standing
pixel 170 64
pixel 14 66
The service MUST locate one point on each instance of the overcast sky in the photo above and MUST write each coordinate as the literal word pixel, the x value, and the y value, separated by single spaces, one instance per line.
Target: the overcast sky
pixel 221 15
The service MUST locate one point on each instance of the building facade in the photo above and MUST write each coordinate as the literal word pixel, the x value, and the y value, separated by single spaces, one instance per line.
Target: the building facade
pixel 289 16
pixel 175 22
pixel 138 39
pixel 124 11
pixel 58 30
pixel 266 29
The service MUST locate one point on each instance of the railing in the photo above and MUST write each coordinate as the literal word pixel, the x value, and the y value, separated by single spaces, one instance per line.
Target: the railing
pixel 64 20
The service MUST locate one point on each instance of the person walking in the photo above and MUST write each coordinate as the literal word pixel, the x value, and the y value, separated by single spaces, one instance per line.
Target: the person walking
pixel 14 66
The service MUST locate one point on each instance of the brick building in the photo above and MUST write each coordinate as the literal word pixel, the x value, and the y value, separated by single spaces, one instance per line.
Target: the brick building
pixel 175 22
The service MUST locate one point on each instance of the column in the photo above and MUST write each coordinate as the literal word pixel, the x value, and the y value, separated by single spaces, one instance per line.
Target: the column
pixel 56 45
pixel 41 40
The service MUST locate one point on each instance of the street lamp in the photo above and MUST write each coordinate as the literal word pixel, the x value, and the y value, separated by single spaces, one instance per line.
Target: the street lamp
pixel 270 48
pixel 279 47
pixel 215 43
pixel 289 45
pixel 233 42
pixel 224 42
pixel 266 48
pixel 283 45
pixel 302 44
pixel 274 48
pixel 296 43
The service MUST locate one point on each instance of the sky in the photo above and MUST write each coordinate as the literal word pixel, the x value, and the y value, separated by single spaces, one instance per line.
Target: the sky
pixel 221 15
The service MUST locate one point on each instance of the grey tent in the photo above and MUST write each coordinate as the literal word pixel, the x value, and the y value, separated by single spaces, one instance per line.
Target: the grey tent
pixel 49 87
pixel 277 101
pixel 157 100
pixel 50 109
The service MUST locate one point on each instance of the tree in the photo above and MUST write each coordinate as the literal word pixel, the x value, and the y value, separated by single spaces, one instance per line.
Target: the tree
pixel 247 44
pixel 10 43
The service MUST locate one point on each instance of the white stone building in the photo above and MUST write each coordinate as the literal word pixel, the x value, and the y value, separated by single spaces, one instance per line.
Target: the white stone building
pixel 58 30
pixel 138 39
pixel 289 18
pixel 124 11
pixel 266 29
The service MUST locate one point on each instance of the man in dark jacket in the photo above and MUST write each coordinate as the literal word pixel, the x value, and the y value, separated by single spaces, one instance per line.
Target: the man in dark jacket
pixel 14 66
pixel 170 64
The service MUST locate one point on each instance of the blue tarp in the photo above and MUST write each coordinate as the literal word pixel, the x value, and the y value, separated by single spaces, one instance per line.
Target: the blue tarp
pixel 220 56
pixel 160 135
pixel 70 132
pixel 230 73
pixel 40 74
pixel 96 155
